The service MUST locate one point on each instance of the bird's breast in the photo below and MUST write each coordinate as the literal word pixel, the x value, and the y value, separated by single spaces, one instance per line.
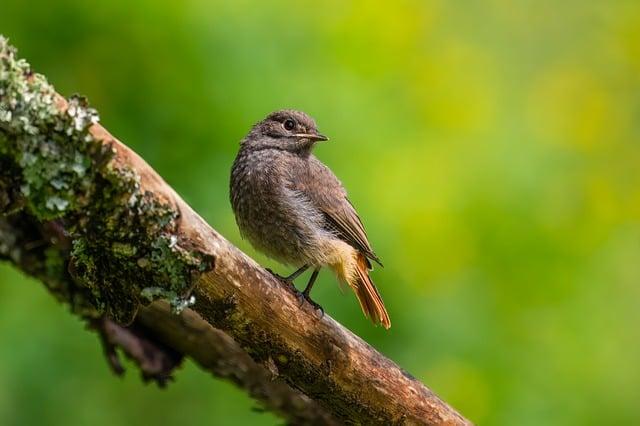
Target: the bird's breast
pixel 276 220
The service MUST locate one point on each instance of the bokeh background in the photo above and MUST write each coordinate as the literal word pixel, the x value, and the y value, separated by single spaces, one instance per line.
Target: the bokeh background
pixel 491 147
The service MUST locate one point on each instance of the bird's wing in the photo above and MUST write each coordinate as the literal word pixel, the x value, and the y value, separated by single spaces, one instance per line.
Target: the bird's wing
pixel 327 194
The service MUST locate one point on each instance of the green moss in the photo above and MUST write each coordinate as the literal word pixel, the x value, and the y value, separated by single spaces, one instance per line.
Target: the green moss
pixel 54 262
pixel 178 303
pixel 51 147
pixel 125 248
pixel 55 269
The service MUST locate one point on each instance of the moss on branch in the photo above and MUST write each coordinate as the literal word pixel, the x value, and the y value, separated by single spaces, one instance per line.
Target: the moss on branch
pixel 124 249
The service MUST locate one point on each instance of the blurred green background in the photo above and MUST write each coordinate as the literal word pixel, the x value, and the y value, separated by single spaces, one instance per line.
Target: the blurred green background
pixel 491 147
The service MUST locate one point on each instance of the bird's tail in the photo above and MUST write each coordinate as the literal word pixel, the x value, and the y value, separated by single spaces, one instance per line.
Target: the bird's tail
pixel 367 293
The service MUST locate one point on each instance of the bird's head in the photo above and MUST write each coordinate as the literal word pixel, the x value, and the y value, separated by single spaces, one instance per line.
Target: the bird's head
pixel 286 129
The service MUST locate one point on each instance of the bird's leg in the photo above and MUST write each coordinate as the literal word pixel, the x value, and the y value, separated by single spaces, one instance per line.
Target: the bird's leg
pixel 297 273
pixel 289 279
pixel 312 280
pixel 307 290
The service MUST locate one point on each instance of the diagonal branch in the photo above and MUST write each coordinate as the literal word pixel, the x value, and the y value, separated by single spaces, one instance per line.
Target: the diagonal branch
pixel 158 339
pixel 116 237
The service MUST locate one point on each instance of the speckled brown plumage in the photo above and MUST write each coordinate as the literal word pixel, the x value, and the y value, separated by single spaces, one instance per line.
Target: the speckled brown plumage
pixel 294 209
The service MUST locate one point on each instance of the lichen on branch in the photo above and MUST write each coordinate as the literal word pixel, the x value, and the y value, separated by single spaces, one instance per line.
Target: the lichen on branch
pixel 124 250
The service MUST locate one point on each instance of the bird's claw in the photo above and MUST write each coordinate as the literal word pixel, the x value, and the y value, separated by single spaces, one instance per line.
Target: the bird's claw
pixel 280 277
pixel 290 285
pixel 303 297
pixel 284 280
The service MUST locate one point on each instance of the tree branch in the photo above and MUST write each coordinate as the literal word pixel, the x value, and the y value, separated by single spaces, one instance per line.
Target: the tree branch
pixel 158 339
pixel 107 235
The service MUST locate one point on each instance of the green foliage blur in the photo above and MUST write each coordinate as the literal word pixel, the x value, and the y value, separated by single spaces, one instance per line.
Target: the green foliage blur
pixel 491 147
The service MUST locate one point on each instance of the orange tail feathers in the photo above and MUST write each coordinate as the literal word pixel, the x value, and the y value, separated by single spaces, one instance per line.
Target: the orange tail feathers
pixel 368 295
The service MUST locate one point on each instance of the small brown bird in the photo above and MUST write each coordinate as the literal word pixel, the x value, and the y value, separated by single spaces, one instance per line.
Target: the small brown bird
pixel 294 209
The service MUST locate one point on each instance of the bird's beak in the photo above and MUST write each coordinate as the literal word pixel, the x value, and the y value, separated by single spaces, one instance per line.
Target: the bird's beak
pixel 312 136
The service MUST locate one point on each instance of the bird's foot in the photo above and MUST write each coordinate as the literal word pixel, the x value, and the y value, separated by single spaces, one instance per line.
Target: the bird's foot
pixel 285 280
pixel 304 297
pixel 280 277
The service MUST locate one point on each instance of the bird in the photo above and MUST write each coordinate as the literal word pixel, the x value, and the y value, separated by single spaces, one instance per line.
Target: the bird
pixel 292 207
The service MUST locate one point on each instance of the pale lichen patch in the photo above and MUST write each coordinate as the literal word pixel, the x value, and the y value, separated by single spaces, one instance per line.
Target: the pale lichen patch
pixel 124 240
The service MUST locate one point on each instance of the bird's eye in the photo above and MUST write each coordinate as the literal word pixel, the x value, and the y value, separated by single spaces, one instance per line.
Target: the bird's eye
pixel 289 124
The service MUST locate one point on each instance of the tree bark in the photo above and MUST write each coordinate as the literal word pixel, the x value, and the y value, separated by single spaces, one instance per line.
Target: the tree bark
pixel 87 216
